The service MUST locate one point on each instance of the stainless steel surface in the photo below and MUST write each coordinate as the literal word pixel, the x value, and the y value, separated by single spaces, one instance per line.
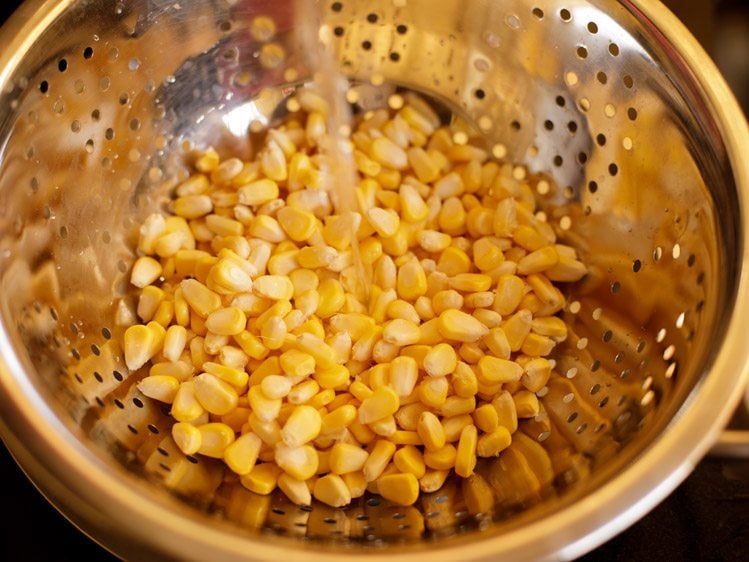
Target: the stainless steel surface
pixel 614 102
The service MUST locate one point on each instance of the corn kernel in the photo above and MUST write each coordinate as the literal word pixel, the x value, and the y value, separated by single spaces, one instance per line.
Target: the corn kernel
pixel 295 489
pixel 459 326
pixel 493 370
pixel 187 437
pixel 383 402
pixel 338 419
pixel 440 361
pixel 298 462
pixel 401 332
pixel 298 224
pixel 262 479
pixel 411 281
pixel 214 395
pixel 332 490
pixel 401 489
pixel 214 439
pixel 454 261
pixel 226 321
pixel 159 387
pixel 494 442
pixel 431 431
pixel 345 457
pixel 465 460
pixel 303 426
pixel 433 391
pixel 442 458
pixel 142 343
pixel 242 454
pixel 264 407
pixel 384 221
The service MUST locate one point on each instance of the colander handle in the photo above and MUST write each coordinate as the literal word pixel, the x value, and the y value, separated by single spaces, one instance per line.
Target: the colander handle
pixel 734 443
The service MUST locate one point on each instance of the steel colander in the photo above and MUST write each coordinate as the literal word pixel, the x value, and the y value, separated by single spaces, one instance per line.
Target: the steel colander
pixel 613 102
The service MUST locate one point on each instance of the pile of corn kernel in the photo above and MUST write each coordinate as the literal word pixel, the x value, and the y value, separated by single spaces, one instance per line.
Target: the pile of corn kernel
pixel 276 358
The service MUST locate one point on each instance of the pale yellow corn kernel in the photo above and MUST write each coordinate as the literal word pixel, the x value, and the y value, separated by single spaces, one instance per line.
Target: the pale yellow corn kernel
pixel 297 223
pixel 279 309
pixel 338 419
pixel 149 301
pixel 141 343
pixel 550 326
pixel 404 373
pixel 433 240
pixel 273 332
pixel 303 426
pixel 446 300
pixel 276 386
pixel 303 392
pixel 224 226
pixel 449 186
pixel 366 165
pixel 442 458
pixel 411 281
pixel 227 321
pixel 266 228
pixel 274 287
pixel 385 272
pixel 517 327
pixel 251 345
pixel 335 377
pixel 401 332
pixel 180 370
pixel 296 490
pixel 493 370
pixel 194 185
pixel 465 460
pixel 413 207
pixel 145 271
pixel 545 290
pixel 150 231
pixel 387 153
pixel 384 427
pixel 458 326
pixel 528 238
pixel 331 298
pixel 408 459
pixel 273 161
pixel 403 310
pixel 479 220
pixel 304 280
pixel 345 458
pixel 283 263
pixel 384 221
pixel 433 391
pixel 440 361
pixel 242 454
pixel 402 437
pixel 378 459
pixel 159 387
pixel 352 323
pixel 230 275
pixel 356 483
pixel 487 254
pixel 485 418
pixel 298 462
pixel 198 355
pixel 193 206
pixel 315 128
pixel 496 342
pixel 433 480
pixel 332 490
pixel 471 353
pixel 313 257
pixel 470 282
pixel 506 412
pixel 264 407
pixel 401 489
pixel 424 309
pixel 526 404
pixel 187 437
pixel 207 161
pixel 262 479
pixel 377 375
pixel 164 314
pixel 505 218
pixel 431 431
pixel 200 298
pixel 538 261
pixel 268 431
pixel 567 269
pixel 233 357
pixel 488 318
pixel 215 395
pixel 493 442
pixel 215 437
pixel 323 354
pixel 453 261
pixel 362 349
pixel 360 391
pixel 537 373
pixel 339 230
pixel 452 217
pixel 383 402
pixel 359 434
pixel 424 167
pixel 294 320
pixel 537 346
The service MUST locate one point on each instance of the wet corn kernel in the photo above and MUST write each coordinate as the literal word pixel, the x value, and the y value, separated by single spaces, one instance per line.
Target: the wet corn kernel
pixel 401 489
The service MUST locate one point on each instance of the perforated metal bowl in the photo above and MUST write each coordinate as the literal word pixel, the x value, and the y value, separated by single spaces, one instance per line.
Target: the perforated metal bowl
pixel 644 150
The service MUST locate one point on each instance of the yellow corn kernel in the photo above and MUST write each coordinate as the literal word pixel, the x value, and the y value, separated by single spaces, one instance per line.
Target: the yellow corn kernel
pixel 273 332
pixel 550 326
pixel 266 228
pixel 338 419
pixel 401 332
pixel 384 427
pixel 517 327
pixel 440 361
pixel 389 154
pixel 159 387
pixel 251 345
pixel 242 454
pixel 360 391
pixel 384 221
pixel 149 301
pixel 323 354
pixel 538 261
pixel 401 489
pixel 274 287
pixel 442 458
pixel 404 372
pixel 411 281
pixel 470 282
pixel 453 426
pixel 494 442
pixel 303 280
pixel 433 391
pixel 465 460
pixel 258 192
pixel 424 309
pixel 303 392
pixel 526 404
pixel 378 459
pixel 283 263
pixel 145 271
pixel 295 489
pixel 413 207
pixel 408 459
pixel 265 408
pixel 366 165
pixel 227 321
pixel 362 349
pixel 458 326
pixel 404 310
pixel 193 206
pixel 187 437
pixel 506 412
pixel 345 458
pixel 485 418
pixel 297 364
pixel 214 395
pixel 141 343
pixel 479 220
pixel 456 405
pixel 269 432
pixel 298 462
pixel 433 480
pixel 352 323
pixel 332 490
pixel 505 218
pixel 402 437
pixel 213 342
pixel 537 373
pixel 496 341
pixel 215 437
pixel 452 217
pixel 454 261
pixel 447 299
pixel 471 353
pixel 383 402
pixel 537 346
pixel 276 386
pixel 567 269
pixel 262 479
pixel 493 370
pixel 356 483
pixel 431 431
pixel 298 224
pixel 424 167
pixel 175 340
pixel 449 186
pixel 332 298
pixel 279 309
pixel 433 240
pixel 303 426
pixel 487 254
pixel 200 298
pixel 384 274
pixel 233 376
pixel 313 257
pixel 464 380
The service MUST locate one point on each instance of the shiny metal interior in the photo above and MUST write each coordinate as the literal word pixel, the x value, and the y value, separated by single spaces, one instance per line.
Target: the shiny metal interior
pixel 612 102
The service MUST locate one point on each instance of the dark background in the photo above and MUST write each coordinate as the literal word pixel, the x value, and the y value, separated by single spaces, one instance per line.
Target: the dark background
pixel 705 519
